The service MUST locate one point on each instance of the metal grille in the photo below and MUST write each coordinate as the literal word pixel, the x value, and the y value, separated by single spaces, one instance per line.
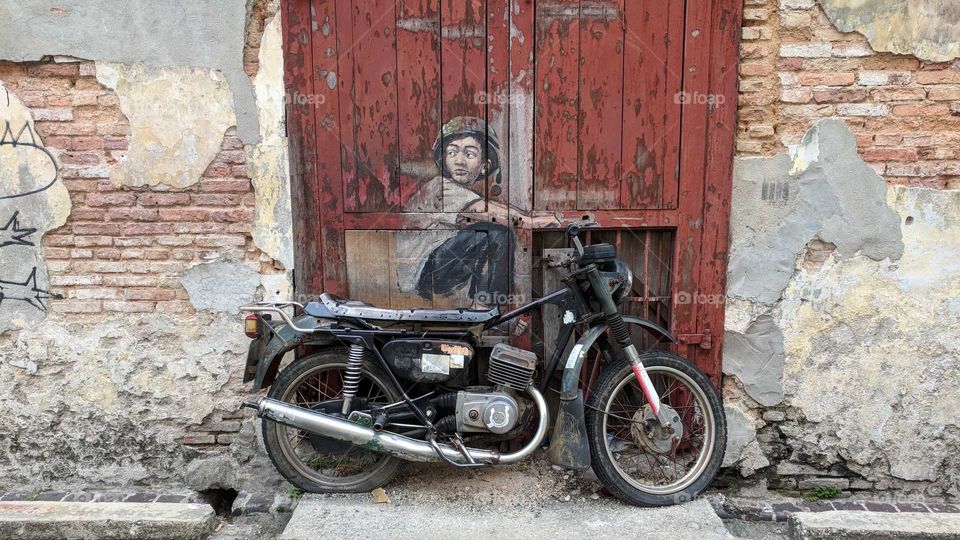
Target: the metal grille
pixel 648 252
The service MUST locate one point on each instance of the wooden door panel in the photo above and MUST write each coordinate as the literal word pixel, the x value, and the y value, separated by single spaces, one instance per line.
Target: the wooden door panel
pixel 377 182
pixel 601 105
pixel 557 133
pixel 653 73
pixel 590 103
pixel 418 96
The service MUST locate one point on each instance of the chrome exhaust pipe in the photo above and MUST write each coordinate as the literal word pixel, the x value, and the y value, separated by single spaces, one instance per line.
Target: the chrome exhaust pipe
pixel 390 443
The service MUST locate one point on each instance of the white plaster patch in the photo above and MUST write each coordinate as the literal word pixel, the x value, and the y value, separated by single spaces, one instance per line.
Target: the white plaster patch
pixel 177 115
pixel 927 29
pixel 267 162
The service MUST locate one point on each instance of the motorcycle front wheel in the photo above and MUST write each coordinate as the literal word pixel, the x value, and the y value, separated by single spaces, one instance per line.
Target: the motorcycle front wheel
pixel 641 462
pixel 319 464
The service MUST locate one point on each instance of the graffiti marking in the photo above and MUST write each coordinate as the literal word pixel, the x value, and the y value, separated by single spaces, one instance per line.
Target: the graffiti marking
pixel 17 140
pixel 12 234
pixel 26 291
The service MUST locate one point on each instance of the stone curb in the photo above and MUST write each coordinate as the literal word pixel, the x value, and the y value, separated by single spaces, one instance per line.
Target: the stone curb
pixel 245 503
pixel 751 510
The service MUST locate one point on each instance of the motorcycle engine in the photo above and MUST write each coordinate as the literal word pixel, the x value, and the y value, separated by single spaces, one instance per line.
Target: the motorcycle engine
pixel 511 370
pixel 494 412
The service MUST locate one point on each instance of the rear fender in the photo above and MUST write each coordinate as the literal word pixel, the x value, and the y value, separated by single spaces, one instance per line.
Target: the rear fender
pixel 268 351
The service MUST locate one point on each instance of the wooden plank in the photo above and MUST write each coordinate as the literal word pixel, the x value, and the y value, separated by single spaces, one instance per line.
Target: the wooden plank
pixel 725 41
pixel 601 104
pixel 298 66
pixel 348 125
pixel 653 57
pixel 366 273
pixel 463 69
pixel 463 58
pixel 375 106
pixel 557 51
pixel 498 95
pixel 522 158
pixel 692 172
pixel 328 186
pixel 418 91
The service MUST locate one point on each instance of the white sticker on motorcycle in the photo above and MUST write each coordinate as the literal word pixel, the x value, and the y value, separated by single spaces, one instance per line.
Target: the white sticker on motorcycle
pixel 456 361
pixel 435 363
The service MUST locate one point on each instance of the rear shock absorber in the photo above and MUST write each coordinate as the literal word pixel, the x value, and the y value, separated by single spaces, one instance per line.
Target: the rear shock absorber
pixel 351 376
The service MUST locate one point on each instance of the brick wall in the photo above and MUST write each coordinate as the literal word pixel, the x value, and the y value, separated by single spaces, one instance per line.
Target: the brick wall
pixel 796 68
pixel 122 249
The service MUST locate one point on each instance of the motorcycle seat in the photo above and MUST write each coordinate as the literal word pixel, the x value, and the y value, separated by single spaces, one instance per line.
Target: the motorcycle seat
pixel 343 307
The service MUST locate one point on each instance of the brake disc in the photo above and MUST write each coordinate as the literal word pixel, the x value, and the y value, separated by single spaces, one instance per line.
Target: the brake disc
pixel 648 433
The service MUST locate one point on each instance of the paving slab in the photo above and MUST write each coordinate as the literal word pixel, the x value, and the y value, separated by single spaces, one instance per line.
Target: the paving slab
pixel 357 516
pixel 854 525
pixel 104 520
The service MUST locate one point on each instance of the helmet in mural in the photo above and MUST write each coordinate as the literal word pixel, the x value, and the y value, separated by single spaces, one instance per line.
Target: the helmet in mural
pixel 474 127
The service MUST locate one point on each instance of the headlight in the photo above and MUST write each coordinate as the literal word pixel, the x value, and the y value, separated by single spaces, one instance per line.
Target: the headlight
pixel 626 286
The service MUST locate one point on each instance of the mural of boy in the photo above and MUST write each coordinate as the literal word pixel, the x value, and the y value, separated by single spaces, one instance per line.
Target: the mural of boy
pixel 467 153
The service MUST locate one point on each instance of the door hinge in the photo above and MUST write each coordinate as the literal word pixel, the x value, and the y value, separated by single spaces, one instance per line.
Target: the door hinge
pixel 705 341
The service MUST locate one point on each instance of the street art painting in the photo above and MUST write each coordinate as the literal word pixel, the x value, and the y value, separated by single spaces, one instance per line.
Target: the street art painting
pixel 32 202
pixel 478 256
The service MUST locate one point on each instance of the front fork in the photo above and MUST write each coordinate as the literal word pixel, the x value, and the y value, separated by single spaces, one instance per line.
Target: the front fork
pixel 621 335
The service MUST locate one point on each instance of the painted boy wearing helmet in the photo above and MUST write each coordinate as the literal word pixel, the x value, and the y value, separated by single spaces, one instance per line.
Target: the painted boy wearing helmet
pixel 467 152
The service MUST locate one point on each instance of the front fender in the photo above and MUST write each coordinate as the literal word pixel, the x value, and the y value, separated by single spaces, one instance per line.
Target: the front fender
pixel 569 447
pixel 571 369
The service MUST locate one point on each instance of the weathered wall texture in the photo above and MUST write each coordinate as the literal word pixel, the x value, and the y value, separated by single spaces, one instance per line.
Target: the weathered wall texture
pixel 843 324
pixel 205 34
pixel 166 215
pixel 926 29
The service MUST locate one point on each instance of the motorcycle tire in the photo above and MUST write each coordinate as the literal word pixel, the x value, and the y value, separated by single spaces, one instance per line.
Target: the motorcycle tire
pixel 707 409
pixel 299 473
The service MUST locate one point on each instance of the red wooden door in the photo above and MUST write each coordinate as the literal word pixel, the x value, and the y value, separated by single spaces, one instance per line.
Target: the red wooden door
pixel 442 140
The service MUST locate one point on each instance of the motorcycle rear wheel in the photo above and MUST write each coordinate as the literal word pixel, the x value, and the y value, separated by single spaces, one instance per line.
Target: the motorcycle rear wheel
pixel 636 462
pixel 314 379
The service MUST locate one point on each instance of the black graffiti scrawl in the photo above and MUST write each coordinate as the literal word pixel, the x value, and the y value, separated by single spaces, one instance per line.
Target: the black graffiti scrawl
pixel 12 234
pixel 32 202
pixel 23 138
pixel 27 291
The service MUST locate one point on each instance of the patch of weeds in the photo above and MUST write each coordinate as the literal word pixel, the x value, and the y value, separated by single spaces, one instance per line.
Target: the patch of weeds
pixel 294 492
pixel 34 496
pixel 280 509
pixel 820 493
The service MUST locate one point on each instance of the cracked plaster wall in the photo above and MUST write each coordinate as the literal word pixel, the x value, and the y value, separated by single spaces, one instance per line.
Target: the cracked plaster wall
pixel 927 29
pixel 205 34
pixel 843 323
pixel 110 404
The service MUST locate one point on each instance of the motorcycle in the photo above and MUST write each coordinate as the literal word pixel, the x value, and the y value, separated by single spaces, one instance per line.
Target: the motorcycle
pixel 381 386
